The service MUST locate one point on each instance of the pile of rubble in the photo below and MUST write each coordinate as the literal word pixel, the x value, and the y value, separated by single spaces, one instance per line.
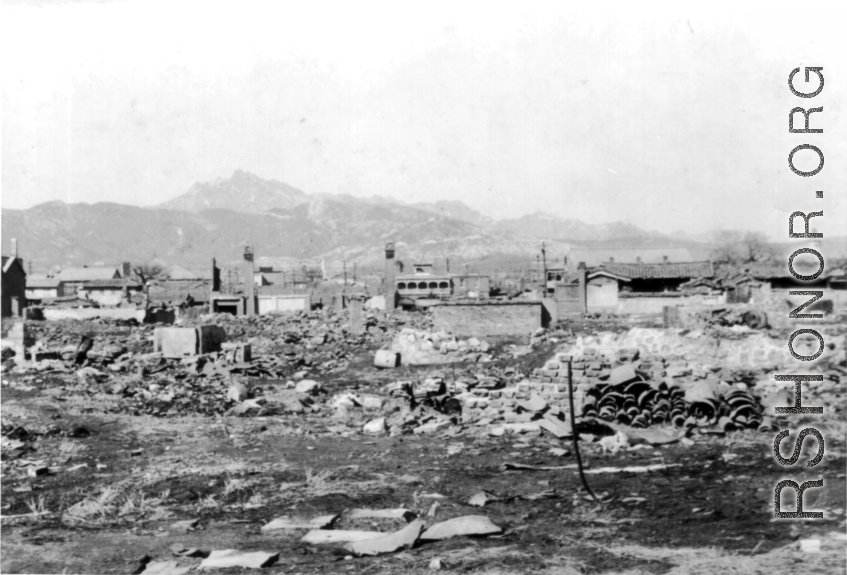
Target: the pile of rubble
pixel 420 347
pixel 119 358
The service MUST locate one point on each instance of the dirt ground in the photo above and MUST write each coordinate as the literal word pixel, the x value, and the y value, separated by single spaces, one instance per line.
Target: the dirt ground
pixel 118 483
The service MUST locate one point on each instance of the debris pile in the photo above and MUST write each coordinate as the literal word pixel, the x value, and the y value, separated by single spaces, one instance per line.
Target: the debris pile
pixel 420 347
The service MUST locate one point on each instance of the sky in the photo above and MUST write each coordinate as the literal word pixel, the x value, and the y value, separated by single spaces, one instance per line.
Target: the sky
pixel 666 118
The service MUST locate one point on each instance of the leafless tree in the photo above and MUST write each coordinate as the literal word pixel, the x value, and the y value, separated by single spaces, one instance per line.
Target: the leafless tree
pixel 734 247
pixel 151 271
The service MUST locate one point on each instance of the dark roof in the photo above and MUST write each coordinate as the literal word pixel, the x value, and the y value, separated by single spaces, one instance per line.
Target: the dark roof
pixel 37 282
pixel 8 262
pixel 660 271
pixel 176 295
pixel 113 283
pixel 649 254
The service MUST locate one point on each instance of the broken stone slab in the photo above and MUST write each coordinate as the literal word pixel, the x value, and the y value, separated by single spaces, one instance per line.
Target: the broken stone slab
pixel 389 543
pixel 308 386
pixel 534 404
pixel 183 551
pixel 512 417
pixel 178 342
pixel 287 522
pixel 237 392
pixel 634 468
pixel 459 526
pixel 37 470
pixel 222 558
pixel 482 498
pixel 375 426
pixel 429 428
pixel 320 536
pixel 622 374
pixel 555 428
pixel 509 466
pixel 184 526
pixel 399 513
pixel 519 428
pixel 372 402
pixel 166 568
pixel 386 359
pixel 649 436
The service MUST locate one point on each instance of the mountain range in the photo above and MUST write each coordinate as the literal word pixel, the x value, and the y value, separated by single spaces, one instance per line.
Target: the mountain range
pixel 217 218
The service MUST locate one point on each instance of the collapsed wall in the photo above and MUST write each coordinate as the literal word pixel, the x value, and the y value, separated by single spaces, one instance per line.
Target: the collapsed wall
pixel 488 319
pixel 420 347
pixel 651 376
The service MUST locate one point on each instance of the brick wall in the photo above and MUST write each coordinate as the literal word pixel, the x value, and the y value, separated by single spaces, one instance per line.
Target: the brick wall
pixel 485 320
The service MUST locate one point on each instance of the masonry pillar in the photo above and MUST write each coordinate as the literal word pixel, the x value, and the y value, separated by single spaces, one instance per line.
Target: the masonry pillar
pixel 249 283
pixel 390 293
pixel 582 273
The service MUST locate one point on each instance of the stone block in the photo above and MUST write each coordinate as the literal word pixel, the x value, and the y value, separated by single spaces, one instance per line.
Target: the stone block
pixel 176 342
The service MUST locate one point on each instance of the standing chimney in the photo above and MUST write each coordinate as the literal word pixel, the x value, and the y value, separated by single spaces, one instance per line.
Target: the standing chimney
pixel 665 259
pixel 14 248
pixel 126 270
pixel 249 282
pixel 216 276
pixel 390 293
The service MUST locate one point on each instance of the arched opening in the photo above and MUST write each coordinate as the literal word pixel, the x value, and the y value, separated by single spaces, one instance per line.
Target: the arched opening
pixel 422 285
pixel 433 285
pixel 401 285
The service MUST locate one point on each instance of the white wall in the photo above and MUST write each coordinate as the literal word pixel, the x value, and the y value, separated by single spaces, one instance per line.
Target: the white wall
pixel 284 303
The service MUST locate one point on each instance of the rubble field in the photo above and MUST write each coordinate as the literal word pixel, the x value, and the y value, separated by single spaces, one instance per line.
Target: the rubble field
pixel 288 451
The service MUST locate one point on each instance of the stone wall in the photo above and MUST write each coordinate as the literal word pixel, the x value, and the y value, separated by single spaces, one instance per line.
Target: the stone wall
pixel 518 319
pixel 637 305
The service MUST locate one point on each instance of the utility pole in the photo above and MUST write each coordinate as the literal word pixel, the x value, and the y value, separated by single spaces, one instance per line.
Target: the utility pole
pixel 544 269
pixel 354 272
pixel 345 272
pixel 448 265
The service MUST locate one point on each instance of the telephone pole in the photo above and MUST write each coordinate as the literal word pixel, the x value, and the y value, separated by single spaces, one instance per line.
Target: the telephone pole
pixel 544 268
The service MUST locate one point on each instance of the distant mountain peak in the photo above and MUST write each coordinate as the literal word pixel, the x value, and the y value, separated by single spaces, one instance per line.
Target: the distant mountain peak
pixel 242 192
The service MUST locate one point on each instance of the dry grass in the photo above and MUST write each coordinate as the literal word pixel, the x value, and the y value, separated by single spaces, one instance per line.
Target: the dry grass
pixel 37 506
pixel 208 502
pixel 72 447
pixel 319 482
pixel 113 503
pixel 233 485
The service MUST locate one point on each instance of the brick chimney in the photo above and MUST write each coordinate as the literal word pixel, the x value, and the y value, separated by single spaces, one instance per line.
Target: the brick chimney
pixel 126 270
pixel 249 282
pixel 389 277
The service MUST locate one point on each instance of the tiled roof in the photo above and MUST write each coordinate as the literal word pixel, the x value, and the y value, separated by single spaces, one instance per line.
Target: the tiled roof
pixel 175 295
pixel 42 282
pixel 660 271
pixel 115 283
pixel 602 255
pixel 81 274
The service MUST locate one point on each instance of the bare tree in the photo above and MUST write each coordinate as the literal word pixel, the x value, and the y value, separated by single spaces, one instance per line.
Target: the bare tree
pixel 146 272
pixel 733 247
